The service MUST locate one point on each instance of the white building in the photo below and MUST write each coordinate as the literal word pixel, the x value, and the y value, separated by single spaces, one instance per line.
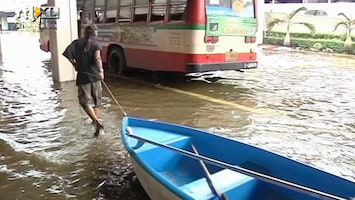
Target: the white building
pixel 331 7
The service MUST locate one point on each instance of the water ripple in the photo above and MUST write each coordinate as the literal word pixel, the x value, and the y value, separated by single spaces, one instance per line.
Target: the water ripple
pixel 315 106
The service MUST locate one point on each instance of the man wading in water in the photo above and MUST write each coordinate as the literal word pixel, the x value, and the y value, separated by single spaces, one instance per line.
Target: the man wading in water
pixel 85 55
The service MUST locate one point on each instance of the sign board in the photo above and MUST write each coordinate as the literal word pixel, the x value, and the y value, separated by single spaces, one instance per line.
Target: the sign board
pixel 47 12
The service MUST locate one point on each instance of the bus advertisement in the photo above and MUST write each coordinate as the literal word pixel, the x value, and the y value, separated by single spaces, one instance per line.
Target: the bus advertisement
pixel 184 36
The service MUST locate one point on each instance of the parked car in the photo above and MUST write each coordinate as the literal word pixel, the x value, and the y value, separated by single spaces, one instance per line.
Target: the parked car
pixel 316 12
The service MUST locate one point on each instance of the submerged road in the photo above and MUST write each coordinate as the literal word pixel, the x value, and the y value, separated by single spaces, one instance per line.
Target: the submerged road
pixel 301 105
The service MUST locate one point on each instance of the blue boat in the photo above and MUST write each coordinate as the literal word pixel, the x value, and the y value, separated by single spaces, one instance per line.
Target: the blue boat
pixel 178 162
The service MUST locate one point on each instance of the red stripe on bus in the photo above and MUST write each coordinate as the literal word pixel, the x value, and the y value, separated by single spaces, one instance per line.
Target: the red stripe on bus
pixel 171 61
pixel 220 58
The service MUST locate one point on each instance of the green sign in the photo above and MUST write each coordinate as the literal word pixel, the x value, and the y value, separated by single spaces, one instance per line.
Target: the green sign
pixel 226 25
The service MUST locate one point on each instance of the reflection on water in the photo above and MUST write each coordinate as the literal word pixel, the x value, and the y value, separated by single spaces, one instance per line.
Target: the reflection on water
pixel 298 105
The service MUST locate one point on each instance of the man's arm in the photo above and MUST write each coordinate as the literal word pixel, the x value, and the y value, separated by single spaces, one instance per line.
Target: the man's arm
pixel 69 54
pixel 73 62
pixel 98 61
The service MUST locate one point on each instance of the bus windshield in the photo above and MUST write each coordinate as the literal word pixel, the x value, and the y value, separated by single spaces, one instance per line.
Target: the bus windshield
pixel 231 18
pixel 237 8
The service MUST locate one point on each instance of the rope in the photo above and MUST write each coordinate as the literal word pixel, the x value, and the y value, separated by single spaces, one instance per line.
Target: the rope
pixel 113 97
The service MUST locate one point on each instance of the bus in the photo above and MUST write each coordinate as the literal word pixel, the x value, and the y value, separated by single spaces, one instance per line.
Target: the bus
pixel 44 35
pixel 183 36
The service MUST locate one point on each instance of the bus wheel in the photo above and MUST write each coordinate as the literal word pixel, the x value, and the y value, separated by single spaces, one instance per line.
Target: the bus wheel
pixel 117 61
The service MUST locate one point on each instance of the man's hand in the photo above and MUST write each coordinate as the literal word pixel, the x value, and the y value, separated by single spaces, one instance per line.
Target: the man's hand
pixel 75 66
pixel 101 75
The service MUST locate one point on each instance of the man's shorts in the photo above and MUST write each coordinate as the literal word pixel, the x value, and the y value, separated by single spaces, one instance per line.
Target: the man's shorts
pixel 90 94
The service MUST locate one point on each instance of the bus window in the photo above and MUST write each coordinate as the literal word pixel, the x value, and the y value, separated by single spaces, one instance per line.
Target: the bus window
pixel 177 10
pixel 220 3
pixel 88 6
pixel 141 2
pixel 237 8
pixel 158 10
pixel 99 11
pixel 141 11
pixel 125 10
pixel 111 11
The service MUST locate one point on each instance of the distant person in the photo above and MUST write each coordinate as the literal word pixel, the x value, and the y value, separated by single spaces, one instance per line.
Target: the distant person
pixel 85 55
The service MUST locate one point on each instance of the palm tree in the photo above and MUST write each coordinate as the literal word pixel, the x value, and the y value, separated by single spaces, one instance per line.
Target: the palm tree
pixel 349 25
pixel 289 22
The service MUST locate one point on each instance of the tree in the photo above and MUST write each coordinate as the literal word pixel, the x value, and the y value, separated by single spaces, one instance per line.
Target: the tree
pixel 289 22
pixel 349 25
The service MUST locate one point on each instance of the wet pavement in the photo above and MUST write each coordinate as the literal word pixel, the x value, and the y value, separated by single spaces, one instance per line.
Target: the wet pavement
pixel 301 105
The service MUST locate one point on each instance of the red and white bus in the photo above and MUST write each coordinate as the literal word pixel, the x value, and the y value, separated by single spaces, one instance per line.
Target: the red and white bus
pixel 44 33
pixel 185 36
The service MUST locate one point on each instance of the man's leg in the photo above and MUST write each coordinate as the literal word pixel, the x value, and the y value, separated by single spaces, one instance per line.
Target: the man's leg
pixel 97 112
pixel 97 97
pixel 92 113
pixel 89 104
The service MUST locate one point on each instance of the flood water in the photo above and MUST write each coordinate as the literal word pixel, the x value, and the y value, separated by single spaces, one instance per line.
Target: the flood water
pixel 301 105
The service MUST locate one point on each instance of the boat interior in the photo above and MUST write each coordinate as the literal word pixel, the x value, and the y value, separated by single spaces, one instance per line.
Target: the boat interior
pixel 187 174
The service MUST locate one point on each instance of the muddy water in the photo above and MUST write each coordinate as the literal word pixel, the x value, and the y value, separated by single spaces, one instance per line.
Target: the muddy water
pixel 296 104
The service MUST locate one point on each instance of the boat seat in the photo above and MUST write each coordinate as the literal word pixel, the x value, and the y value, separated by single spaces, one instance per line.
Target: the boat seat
pixel 223 180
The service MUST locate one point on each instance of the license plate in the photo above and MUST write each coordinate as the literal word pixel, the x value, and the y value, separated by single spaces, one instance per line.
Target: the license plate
pixel 231 56
pixel 250 65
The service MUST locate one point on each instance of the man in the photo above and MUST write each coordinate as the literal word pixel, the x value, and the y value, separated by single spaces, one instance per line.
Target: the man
pixel 85 55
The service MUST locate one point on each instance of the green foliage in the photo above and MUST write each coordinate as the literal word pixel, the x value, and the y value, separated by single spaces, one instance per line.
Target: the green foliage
pixel 30 26
pixel 27 25
pixel 317 46
pixel 348 24
pixel 307 41
pixel 337 43
pixel 308 35
pixel 288 20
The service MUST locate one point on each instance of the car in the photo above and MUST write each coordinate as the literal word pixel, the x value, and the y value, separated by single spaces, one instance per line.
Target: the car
pixel 316 12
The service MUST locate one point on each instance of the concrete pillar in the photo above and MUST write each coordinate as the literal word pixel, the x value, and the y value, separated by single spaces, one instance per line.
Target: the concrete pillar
pixel 66 32
pixel 260 22
pixel 0 48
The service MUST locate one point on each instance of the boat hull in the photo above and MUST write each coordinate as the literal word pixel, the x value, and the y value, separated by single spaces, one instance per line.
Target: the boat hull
pixel 153 188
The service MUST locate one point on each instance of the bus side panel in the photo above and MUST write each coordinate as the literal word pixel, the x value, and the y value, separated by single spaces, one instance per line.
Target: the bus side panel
pixel 104 54
pixel 182 62
pixel 156 60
